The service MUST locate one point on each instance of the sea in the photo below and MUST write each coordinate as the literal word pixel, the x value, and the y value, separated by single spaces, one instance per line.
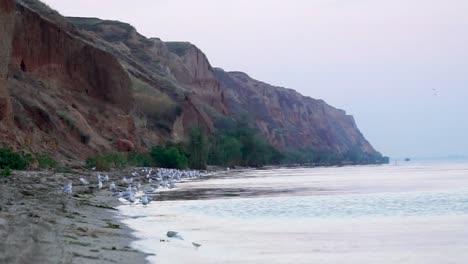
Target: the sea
pixel 396 213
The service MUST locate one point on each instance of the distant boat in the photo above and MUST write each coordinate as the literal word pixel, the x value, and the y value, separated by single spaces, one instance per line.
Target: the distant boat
pixel 407 159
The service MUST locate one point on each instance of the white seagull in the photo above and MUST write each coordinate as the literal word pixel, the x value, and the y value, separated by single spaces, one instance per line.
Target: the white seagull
pixel 68 188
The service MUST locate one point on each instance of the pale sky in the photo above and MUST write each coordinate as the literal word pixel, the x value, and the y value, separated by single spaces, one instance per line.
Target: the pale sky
pixel 400 67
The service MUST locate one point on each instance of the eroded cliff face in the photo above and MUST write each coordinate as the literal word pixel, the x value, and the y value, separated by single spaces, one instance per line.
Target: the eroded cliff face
pixel 7 10
pixel 291 121
pixel 79 86
pixel 67 96
pixel 159 73
pixel 201 76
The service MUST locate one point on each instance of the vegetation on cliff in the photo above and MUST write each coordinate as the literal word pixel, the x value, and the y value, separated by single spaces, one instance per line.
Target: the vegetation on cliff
pixel 237 144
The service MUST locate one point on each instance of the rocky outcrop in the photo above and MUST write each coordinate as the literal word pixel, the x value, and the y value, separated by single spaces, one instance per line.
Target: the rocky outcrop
pixel 291 121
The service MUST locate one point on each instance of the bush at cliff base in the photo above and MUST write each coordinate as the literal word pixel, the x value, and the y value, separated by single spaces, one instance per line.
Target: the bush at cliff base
pixel 13 160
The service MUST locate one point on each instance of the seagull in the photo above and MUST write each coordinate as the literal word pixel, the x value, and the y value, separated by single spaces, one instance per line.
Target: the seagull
pixel 99 186
pixel 68 188
pixel 144 200
pixel 127 181
pixel 118 194
pixel 84 181
pixel 130 197
pixel 103 177
pixel 150 190
pixel 112 186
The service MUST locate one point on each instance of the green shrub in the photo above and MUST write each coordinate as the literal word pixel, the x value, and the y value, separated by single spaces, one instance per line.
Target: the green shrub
pixel 5 172
pixel 102 164
pixel 240 144
pixel 169 157
pixel 137 159
pixel 197 148
pixel 45 161
pixel 14 160
pixel 106 162
pixel 225 151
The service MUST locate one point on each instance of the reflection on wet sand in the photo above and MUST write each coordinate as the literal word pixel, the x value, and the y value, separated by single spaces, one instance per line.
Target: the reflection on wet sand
pixel 220 193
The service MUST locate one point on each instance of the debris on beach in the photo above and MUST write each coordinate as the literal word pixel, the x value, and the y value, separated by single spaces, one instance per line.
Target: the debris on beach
pixel 173 234
pixel 196 245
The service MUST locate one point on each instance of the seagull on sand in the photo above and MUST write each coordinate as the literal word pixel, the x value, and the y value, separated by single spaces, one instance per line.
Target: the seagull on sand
pixel 68 188
pixel 103 178
pixel 130 197
pixel 127 181
pixel 150 190
pixel 99 185
pixel 112 186
pixel 84 181
pixel 144 200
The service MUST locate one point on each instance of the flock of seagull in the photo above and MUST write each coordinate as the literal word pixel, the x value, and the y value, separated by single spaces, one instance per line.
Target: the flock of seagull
pixel 136 187
pixel 131 187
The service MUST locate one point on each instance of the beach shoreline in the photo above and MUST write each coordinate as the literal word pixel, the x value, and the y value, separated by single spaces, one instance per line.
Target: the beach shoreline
pixel 40 224
pixel 363 214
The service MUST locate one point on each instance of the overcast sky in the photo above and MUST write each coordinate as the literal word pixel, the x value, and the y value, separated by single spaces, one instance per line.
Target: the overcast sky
pixel 399 66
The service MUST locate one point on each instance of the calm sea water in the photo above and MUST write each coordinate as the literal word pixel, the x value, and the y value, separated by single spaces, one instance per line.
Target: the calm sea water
pixel 369 214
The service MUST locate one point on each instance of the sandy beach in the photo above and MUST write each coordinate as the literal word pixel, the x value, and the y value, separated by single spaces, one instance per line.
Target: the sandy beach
pixel 39 224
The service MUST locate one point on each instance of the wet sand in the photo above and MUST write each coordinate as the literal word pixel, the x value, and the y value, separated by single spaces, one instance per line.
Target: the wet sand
pixel 39 224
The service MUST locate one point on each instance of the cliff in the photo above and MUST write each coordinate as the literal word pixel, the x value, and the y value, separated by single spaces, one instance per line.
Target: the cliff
pixel 7 9
pixel 289 120
pixel 67 96
pixel 79 86
pixel 183 85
